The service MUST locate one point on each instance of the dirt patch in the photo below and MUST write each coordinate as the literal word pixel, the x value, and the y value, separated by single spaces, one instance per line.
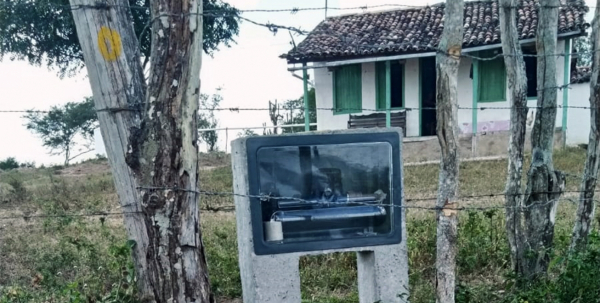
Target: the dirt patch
pixel 209 168
pixel 85 169
pixel 205 162
pixel 227 300
pixel 216 159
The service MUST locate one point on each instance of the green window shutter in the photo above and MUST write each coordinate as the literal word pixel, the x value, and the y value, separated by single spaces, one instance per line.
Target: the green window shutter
pixel 492 79
pixel 380 82
pixel 347 89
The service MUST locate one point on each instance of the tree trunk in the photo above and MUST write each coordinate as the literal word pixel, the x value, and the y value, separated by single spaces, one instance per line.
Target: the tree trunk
pixel 152 145
pixel 67 153
pixel 585 211
pixel 447 62
pixel 544 185
pixel 517 85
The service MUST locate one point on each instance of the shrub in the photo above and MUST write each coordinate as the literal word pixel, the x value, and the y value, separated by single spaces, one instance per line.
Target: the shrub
pixel 9 163
pixel 18 191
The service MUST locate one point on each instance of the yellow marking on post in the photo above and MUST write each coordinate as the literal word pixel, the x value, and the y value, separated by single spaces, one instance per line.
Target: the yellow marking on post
pixel 109 42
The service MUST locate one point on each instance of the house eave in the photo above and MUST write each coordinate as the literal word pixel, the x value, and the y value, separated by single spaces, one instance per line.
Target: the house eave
pixel 332 62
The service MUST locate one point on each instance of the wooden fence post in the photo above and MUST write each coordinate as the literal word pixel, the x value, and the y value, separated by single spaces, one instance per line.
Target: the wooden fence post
pixel 151 137
pixel 447 63
pixel 544 184
pixel 585 211
pixel 517 85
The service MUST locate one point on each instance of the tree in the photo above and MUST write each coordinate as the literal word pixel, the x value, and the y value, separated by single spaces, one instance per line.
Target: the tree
pixel 9 163
pixel 207 119
pixel 151 136
pixel 275 116
pixel 38 30
pixel 583 47
pixel 517 79
pixel 544 183
pixel 585 210
pixel 60 127
pixel 447 63
pixel 247 133
pixel 294 112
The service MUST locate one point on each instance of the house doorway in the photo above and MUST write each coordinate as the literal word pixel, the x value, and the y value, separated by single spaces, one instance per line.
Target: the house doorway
pixel 428 112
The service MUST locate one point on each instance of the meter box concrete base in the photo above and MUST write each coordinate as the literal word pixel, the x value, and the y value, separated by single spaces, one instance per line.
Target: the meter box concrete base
pixel 272 275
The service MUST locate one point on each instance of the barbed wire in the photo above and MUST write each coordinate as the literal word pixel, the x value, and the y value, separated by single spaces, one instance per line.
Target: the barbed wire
pixel 26 111
pixel 404 46
pixel 291 10
pixel 521 208
pixel 334 109
pixel 275 27
pixel 350 109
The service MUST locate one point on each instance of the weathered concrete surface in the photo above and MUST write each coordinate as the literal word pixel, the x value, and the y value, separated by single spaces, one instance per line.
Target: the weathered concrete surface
pixel 382 270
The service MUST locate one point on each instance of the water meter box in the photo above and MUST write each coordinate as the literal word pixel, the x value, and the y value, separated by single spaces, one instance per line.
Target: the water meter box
pixel 324 191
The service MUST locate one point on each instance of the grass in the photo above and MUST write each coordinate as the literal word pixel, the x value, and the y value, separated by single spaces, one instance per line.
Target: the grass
pixel 78 259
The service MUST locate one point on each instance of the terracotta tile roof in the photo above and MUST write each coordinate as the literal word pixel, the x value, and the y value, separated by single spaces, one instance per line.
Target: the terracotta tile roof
pixel 581 74
pixel 419 30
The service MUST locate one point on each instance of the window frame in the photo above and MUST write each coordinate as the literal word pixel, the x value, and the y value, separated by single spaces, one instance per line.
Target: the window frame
pixel 382 107
pixel 530 51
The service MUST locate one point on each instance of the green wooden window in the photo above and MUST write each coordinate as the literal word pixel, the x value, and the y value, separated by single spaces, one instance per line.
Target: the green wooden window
pixel 347 89
pixel 397 85
pixel 492 78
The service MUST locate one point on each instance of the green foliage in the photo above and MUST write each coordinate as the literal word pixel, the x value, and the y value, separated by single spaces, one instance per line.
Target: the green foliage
pixel 18 190
pixel 44 30
pixel 77 268
pixel 294 112
pixel 223 267
pixel 583 46
pixel 482 242
pixel 207 119
pixel 291 112
pixel 9 163
pixel 59 127
pixel 247 133
pixel 88 259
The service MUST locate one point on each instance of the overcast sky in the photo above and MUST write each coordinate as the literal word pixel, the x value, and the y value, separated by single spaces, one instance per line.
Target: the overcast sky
pixel 250 74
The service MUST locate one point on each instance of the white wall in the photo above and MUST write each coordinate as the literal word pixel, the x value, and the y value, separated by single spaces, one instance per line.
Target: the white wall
pixel 578 119
pixel 324 95
pixel 411 97
pixel 493 119
pixel 488 120
pixel 465 95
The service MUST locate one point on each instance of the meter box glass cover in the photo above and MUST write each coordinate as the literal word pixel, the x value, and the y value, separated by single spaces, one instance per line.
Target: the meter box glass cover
pixel 319 192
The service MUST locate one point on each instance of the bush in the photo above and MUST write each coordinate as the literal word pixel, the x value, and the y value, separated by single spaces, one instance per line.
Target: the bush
pixel 577 281
pixel 9 163
pixel 27 164
pixel 18 191
pixel 76 269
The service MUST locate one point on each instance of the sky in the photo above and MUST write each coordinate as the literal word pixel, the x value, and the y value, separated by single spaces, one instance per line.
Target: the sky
pixel 250 74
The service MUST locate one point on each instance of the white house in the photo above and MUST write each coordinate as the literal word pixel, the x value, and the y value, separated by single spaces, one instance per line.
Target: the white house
pixel 356 58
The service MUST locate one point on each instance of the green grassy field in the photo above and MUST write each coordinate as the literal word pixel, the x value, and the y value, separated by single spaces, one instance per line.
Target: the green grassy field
pixel 73 259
